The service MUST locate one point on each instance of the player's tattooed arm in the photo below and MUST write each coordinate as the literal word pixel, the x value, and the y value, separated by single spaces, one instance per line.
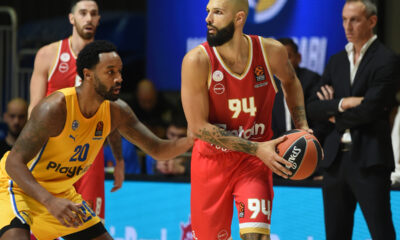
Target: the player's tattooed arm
pixel 223 138
pixel 194 91
pixel 297 110
pixel 47 120
pixel 299 115
pixel 265 151
pixel 291 86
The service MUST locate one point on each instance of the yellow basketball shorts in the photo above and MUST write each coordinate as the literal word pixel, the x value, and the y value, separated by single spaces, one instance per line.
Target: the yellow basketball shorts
pixel 14 203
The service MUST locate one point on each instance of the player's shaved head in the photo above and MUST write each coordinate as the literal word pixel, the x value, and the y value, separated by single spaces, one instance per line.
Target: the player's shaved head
pixel 240 5
pixel 234 5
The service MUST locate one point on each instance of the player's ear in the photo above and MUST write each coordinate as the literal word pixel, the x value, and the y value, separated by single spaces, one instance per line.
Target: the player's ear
pixel 71 18
pixel 241 17
pixel 87 73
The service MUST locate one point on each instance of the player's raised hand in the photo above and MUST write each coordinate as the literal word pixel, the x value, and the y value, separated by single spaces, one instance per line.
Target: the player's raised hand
pixel 66 212
pixel 267 153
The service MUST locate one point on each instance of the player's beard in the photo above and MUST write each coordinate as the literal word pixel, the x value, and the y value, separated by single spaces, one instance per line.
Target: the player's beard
pixel 85 35
pixel 221 36
pixel 101 89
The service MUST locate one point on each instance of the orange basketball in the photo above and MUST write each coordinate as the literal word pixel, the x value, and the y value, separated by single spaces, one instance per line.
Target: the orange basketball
pixel 303 150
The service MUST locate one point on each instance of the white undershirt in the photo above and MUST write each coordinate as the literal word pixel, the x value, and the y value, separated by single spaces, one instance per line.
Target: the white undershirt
pixel 288 118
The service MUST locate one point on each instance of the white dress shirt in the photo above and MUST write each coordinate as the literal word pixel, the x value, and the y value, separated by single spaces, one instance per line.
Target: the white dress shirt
pixel 346 138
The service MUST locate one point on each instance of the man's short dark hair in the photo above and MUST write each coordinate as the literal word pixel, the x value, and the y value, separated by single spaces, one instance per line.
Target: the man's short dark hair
pixel 89 55
pixel 290 42
pixel 74 2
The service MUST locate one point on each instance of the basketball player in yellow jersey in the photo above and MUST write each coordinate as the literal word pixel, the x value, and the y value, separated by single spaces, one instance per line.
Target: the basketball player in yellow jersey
pixel 59 143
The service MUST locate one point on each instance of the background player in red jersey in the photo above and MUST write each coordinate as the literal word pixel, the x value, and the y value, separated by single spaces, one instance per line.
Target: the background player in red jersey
pixel 55 68
pixel 227 93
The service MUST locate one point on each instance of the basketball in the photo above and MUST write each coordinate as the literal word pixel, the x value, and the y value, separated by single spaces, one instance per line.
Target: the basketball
pixel 303 150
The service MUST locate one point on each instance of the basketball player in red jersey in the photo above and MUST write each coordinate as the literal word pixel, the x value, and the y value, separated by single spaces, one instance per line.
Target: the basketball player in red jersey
pixel 55 68
pixel 228 93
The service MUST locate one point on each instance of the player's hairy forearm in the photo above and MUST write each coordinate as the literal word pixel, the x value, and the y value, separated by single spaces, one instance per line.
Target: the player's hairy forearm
pixel 223 138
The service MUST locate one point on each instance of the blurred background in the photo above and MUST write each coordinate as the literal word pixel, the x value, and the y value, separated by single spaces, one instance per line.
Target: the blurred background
pixel 152 36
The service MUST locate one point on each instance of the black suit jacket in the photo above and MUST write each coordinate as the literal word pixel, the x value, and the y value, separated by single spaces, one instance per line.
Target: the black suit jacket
pixel 376 80
pixel 309 80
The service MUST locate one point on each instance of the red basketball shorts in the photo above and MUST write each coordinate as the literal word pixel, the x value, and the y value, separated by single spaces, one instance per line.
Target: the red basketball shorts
pixel 218 181
pixel 91 185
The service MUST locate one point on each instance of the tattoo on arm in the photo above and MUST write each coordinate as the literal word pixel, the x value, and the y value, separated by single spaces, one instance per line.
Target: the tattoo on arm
pixel 223 138
pixel 31 139
pixel 298 112
pixel 299 115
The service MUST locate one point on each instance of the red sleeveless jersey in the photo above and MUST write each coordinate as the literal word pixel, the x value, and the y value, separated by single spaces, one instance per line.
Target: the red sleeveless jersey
pixel 242 104
pixel 63 74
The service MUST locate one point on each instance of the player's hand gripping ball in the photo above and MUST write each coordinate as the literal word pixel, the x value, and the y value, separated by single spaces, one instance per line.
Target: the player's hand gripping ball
pixel 303 150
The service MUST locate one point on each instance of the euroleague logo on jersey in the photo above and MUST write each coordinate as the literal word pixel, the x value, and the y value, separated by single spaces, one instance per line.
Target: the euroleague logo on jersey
pixel 259 73
pixel 99 129
pixel 265 10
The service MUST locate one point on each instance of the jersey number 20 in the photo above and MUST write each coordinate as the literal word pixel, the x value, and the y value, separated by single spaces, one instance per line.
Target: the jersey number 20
pixel 81 153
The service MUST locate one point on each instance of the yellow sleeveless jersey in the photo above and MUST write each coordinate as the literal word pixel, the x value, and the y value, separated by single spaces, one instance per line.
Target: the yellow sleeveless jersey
pixel 66 157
